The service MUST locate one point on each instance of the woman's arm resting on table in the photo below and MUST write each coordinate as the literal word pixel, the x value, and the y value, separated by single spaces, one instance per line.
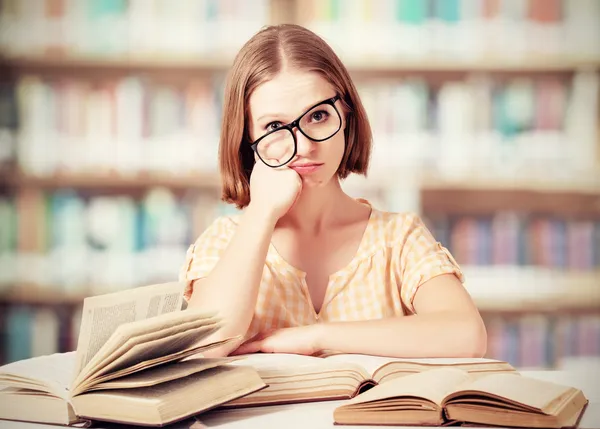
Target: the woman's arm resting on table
pixel 231 289
pixel 447 324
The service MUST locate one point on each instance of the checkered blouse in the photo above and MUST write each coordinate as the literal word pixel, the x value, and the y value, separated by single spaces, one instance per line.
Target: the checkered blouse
pixel 397 254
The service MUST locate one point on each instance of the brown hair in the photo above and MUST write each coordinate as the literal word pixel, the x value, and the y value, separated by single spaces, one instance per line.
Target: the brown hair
pixel 258 61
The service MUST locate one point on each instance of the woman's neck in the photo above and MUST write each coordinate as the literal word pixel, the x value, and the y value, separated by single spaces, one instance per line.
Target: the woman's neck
pixel 317 208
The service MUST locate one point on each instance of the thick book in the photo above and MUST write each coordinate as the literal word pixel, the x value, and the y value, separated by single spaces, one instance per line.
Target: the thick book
pixel 452 396
pixel 138 361
pixel 336 376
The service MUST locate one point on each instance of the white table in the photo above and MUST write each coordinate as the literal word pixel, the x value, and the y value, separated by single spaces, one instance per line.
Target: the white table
pixel 319 415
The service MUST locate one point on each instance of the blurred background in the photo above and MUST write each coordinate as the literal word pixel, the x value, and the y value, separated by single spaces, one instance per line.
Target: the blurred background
pixel 486 123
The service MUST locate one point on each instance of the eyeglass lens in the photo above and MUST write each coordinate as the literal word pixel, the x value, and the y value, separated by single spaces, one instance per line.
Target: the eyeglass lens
pixel 319 123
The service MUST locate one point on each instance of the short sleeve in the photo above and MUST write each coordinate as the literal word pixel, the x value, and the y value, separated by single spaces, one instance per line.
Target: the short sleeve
pixel 202 256
pixel 419 257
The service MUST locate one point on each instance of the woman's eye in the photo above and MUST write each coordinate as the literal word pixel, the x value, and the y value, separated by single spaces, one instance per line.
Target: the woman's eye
pixel 273 126
pixel 319 116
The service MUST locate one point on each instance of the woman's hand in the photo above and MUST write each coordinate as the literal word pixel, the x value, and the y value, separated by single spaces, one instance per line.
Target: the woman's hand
pixel 274 189
pixel 302 340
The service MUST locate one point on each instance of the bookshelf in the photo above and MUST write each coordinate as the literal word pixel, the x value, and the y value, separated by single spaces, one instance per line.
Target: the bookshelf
pixel 34 295
pixel 569 292
pixel 479 200
pixel 497 290
pixel 190 65
pixel 16 180
pixel 428 182
pixel 133 174
pixel 81 64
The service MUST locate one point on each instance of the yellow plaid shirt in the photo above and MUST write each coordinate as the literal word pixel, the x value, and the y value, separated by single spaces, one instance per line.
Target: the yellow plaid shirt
pixel 397 254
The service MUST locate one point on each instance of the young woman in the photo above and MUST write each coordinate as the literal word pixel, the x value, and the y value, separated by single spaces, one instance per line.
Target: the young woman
pixel 305 267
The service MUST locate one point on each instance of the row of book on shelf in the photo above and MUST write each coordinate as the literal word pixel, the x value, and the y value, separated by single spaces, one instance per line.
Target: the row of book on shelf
pixel 520 239
pixel 73 240
pixel 464 30
pixel 132 124
pixel 460 30
pixel 542 340
pixel 130 27
pixel 65 233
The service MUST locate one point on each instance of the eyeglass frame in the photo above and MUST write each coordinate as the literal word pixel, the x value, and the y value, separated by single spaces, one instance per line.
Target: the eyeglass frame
pixel 296 124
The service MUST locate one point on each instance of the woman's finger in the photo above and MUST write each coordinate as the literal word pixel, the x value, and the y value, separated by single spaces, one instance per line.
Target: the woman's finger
pixel 246 348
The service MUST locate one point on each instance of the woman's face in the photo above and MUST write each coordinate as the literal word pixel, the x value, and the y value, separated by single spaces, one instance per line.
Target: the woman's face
pixel 285 98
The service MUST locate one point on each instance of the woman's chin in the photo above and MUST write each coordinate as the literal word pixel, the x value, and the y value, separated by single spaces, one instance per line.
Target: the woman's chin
pixel 313 181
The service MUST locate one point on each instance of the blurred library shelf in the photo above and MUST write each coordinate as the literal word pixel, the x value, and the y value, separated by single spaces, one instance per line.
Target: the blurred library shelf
pixel 492 288
pixel 582 184
pixel 485 118
pixel 477 199
pixel 114 181
pixel 500 290
pixel 14 178
pixel 80 64
pixel 34 295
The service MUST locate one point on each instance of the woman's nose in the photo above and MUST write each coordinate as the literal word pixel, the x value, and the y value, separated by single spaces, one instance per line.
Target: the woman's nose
pixel 304 145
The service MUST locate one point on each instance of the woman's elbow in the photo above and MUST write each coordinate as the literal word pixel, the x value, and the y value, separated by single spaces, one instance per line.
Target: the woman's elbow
pixel 467 337
pixel 476 339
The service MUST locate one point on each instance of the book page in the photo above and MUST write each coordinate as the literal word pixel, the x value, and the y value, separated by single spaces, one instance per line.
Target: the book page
pixel 161 360
pixel 474 366
pixel 433 385
pixel 130 334
pixel 373 364
pixel 158 347
pixel 103 314
pixel 541 395
pixel 278 364
pixel 163 373
pixel 275 361
pixel 52 373
pixel 154 347
pixel 369 363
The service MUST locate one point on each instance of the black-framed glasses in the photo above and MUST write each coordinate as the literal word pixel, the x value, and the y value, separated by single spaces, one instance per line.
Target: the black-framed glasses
pixel 319 123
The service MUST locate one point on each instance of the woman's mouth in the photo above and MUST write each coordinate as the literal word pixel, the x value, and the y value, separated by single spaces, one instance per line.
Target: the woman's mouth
pixel 304 169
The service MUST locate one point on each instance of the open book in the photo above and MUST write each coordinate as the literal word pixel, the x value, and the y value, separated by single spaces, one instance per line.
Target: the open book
pixel 450 395
pixel 295 378
pixel 136 362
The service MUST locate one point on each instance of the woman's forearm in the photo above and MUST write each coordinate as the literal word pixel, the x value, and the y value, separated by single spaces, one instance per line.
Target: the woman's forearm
pixel 231 289
pixel 442 334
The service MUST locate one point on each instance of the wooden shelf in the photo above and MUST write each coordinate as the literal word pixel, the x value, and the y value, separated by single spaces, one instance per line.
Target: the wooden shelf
pixel 589 189
pixel 113 181
pixel 27 294
pixel 575 204
pixel 582 305
pixel 529 64
pixel 476 195
pixel 517 292
pixel 523 290
pixel 438 197
pixel 587 184
pixel 213 62
pixel 97 63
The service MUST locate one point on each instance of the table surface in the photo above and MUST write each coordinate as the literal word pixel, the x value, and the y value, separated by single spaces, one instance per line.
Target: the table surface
pixel 320 414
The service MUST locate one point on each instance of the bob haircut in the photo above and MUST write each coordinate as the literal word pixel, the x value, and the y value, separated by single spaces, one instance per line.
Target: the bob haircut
pixel 261 59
